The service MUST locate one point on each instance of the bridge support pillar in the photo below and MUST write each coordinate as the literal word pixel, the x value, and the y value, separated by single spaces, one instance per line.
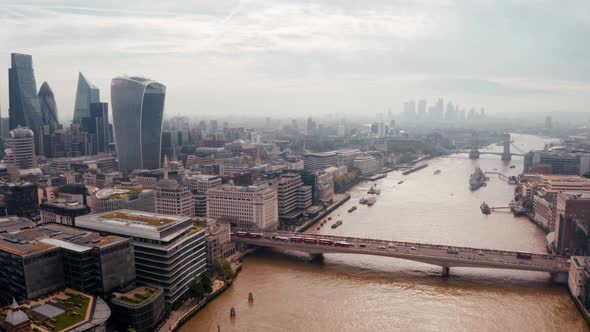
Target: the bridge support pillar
pixel 317 257
pixel 560 277
pixel 446 271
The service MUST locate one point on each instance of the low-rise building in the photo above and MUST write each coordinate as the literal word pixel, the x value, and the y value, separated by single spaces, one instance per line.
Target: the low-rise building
pixel 131 198
pixel 324 187
pixel 141 308
pixel 366 164
pixel 172 198
pixel 169 250
pixel 572 220
pixel 219 243
pixel 62 211
pixel 20 199
pixel 198 185
pixel 66 310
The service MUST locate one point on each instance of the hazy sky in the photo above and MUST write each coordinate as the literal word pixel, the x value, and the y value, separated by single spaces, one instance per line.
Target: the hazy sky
pixel 310 57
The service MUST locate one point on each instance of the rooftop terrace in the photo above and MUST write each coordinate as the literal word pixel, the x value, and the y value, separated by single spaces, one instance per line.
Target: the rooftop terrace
pixel 59 311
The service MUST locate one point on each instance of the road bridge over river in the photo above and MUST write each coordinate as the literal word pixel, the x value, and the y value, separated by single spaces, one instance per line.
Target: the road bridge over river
pixel 440 255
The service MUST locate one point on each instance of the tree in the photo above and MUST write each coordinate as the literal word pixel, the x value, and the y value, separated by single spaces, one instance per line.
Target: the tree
pixel 223 269
pixel 200 286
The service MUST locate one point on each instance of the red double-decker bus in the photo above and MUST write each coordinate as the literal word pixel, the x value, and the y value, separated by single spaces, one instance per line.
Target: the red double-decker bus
pixel 297 239
pixel 326 242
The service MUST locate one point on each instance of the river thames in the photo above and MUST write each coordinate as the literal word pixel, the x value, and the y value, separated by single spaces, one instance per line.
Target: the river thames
pixel 368 293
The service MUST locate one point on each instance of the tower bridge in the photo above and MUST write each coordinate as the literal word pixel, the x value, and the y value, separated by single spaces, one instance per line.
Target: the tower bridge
pixel 441 255
pixel 474 152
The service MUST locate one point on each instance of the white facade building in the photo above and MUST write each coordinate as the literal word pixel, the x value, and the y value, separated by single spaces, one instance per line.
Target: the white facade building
pixel 252 207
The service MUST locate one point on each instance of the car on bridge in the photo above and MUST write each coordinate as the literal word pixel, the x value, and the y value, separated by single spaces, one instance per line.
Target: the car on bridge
pixel 413 249
pixel 452 251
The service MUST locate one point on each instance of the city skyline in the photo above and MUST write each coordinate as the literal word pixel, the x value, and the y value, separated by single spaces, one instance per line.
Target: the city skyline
pixel 262 58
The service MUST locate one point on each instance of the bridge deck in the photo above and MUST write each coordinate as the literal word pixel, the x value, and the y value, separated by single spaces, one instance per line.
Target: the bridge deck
pixel 421 252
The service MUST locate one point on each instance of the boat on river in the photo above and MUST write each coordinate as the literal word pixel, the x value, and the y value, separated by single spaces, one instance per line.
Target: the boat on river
pixel 485 209
pixel 371 201
pixel 352 209
pixel 477 179
pixel 337 224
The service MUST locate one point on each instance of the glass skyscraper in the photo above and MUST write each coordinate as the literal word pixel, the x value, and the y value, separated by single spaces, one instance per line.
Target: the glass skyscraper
pixel 24 109
pixel 86 94
pixel 138 107
pixel 48 107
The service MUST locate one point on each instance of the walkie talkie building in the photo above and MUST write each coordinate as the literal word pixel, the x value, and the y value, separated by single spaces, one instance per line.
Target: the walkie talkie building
pixel 138 108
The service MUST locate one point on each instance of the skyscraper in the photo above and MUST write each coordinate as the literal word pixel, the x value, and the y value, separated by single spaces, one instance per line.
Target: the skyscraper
pixel 24 109
pixel 138 109
pixel 48 107
pixel 19 149
pixel 97 127
pixel 86 94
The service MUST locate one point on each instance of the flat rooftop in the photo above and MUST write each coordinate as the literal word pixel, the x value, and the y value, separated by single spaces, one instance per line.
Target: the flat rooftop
pixel 141 218
pixel 320 154
pixel 141 224
pixel 136 296
pixel 117 193
pixel 58 311
pixel 64 204
pixel 49 236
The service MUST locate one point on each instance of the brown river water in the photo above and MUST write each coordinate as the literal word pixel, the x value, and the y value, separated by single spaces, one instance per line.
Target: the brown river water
pixel 368 293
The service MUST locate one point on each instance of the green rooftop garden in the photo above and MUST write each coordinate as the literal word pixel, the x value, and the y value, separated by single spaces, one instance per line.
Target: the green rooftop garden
pixel 77 306
pixel 138 297
pixel 154 221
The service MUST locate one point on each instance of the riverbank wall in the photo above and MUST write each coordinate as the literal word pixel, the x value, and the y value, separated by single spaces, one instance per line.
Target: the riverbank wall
pixel 323 214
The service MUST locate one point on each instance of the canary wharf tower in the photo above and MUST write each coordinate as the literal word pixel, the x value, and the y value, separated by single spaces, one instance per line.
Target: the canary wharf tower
pixel 137 107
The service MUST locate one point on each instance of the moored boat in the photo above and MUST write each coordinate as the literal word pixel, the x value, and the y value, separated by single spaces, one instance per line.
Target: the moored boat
pixel 336 224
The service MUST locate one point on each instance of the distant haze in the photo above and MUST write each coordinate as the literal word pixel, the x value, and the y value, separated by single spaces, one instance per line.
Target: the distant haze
pixel 282 57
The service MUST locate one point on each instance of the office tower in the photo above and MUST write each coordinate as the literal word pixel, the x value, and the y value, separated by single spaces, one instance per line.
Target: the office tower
pixel 252 207
pixel 49 257
pixel 97 127
pixel 160 242
pixel 19 149
pixel 213 126
pixel 138 109
pixel 293 196
pixel 318 161
pixel 86 94
pixel 4 127
pixel 24 107
pixel 48 107
pixel 422 109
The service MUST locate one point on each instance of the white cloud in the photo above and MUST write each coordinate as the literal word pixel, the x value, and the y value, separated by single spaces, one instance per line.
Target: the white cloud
pixel 249 50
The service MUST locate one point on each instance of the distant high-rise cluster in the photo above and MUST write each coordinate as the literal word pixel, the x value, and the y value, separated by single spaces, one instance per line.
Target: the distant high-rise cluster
pixel 438 112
